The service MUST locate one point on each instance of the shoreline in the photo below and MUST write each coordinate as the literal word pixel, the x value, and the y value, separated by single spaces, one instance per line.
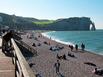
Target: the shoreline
pixel 69 43
pixel 72 67
pixel 57 40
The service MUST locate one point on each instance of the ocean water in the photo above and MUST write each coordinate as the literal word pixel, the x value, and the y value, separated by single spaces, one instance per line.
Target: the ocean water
pixel 93 40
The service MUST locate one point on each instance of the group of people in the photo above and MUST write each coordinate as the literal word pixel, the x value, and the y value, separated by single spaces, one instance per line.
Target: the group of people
pixel 56 48
pixel 57 64
pixel 39 44
pixel 76 47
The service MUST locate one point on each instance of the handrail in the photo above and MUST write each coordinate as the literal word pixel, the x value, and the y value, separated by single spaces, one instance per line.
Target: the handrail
pixel 22 67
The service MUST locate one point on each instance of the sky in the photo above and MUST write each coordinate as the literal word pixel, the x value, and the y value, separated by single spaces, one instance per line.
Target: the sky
pixel 55 9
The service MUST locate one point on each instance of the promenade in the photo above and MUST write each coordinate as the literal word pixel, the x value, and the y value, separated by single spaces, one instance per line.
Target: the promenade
pixel 7 69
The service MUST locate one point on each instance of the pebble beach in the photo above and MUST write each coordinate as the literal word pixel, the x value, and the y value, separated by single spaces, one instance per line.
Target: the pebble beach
pixel 77 66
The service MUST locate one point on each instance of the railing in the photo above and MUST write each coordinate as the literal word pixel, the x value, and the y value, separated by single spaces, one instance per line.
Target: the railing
pixel 22 68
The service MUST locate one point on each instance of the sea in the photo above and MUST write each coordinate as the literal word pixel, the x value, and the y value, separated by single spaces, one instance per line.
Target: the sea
pixel 93 40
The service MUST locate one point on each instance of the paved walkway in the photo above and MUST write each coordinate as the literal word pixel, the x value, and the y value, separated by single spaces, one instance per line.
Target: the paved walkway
pixel 6 67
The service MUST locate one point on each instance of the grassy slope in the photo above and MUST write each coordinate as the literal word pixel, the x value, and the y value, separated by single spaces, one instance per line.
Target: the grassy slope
pixel 43 22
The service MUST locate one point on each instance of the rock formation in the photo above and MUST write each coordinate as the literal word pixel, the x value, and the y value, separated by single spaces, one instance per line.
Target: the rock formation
pixel 22 23
pixel 74 23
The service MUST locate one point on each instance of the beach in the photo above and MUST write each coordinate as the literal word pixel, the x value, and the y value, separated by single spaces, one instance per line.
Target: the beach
pixel 77 66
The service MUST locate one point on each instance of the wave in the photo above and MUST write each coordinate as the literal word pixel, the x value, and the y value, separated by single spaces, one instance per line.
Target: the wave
pixel 45 34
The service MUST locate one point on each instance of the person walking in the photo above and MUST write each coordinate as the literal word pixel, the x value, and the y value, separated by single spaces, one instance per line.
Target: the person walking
pixel 83 46
pixel 76 47
pixel 57 66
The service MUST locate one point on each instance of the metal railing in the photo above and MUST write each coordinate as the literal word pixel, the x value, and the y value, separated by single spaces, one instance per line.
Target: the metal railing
pixel 22 68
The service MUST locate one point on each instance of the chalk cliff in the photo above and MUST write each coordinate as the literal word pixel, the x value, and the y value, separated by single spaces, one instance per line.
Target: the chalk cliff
pixel 74 23
pixel 66 24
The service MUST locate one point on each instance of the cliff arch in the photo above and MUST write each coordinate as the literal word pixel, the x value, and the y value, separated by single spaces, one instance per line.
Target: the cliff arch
pixel 92 26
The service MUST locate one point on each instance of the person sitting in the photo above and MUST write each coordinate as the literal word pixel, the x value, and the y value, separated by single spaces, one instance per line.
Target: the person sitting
pixel 38 75
pixel 39 44
pixel 61 47
pixel 34 45
pixel 45 42
pixel 89 63
pixel 31 64
pixel 59 57
pixel 71 47
pixel 71 55
pixel 64 57
pixel 98 71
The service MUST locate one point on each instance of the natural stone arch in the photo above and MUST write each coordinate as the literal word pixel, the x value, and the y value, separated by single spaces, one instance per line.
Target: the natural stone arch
pixel 92 26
